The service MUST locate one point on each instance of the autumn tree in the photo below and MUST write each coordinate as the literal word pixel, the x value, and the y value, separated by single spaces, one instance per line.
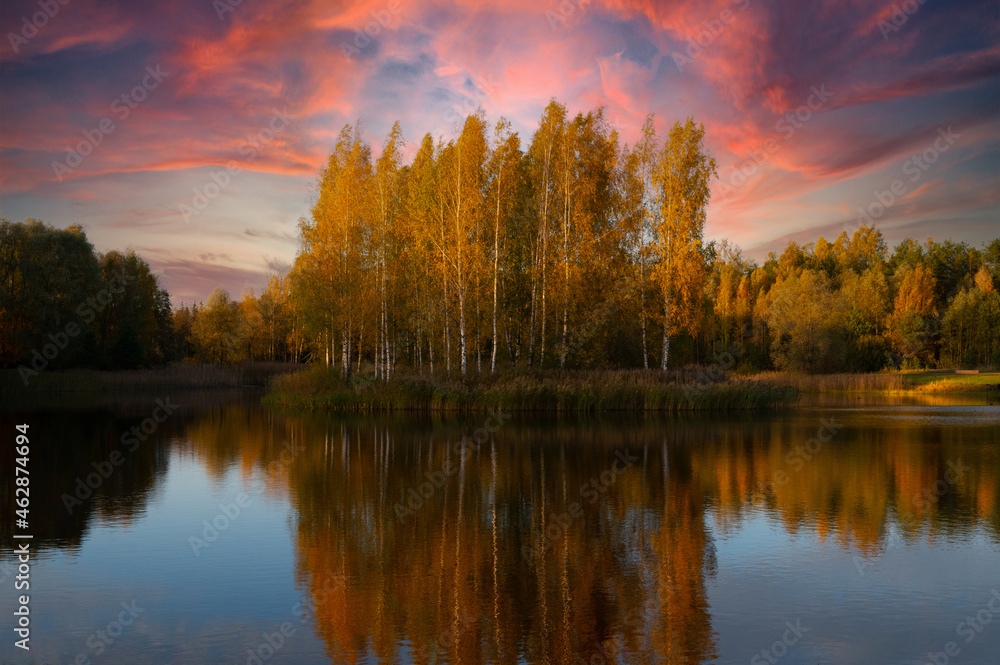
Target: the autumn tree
pixel 276 317
pixel 385 190
pixel 913 322
pixel 463 164
pixel 217 331
pixel 806 317
pixel 331 270
pixel 478 251
pixel 868 301
pixel 641 184
pixel 182 320
pixel 969 326
pixel 420 200
pixel 104 310
pixel 683 174
pixel 866 249
pixel 47 276
pixel 252 323
pixel 542 155
pixel 503 173
pixel 134 327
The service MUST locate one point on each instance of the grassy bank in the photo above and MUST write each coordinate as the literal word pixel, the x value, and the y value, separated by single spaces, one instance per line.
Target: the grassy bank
pixel 548 390
pixel 182 376
pixel 935 381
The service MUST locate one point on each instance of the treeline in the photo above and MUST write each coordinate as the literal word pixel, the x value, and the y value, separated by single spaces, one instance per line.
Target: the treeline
pixel 64 305
pixel 574 252
pixel 581 252
pixel 264 327
pixel 850 305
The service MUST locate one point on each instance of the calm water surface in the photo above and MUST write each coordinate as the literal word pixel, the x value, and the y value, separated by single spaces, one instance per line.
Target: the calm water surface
pixel 841 531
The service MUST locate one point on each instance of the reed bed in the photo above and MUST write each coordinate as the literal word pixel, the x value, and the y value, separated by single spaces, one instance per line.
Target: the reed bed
pixel 960 385
pixel 932 381
pixel 822 383
pixel 537 391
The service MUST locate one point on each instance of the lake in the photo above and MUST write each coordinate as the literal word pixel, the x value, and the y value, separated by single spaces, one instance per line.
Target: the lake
pixel 844 530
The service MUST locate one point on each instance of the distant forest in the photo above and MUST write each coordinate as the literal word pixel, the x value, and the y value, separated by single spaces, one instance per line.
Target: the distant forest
pixel 477 256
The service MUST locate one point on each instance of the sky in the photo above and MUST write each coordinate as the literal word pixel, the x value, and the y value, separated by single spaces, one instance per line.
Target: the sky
pixel 192 131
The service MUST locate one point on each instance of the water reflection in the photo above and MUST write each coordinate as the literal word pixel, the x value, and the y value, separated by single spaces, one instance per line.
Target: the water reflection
pixel 81 470
pixel 551 541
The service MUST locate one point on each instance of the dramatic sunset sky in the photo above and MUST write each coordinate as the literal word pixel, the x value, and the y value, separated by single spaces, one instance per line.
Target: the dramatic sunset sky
pixel 892 78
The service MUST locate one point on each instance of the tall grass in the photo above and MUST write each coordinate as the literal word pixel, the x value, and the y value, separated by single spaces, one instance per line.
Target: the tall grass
pixel 546 390
pixel 180 376
pixel 883 382
pixel 886 382
pixel 962 384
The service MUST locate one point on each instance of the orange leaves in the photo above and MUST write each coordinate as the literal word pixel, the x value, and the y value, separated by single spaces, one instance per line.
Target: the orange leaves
pixel 916 292
pixel 683 175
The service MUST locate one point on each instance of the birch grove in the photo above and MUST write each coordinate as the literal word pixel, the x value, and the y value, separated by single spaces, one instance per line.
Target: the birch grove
pixel 478 250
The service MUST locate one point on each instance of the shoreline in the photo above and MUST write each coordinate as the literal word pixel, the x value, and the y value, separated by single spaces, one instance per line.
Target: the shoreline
pixel 908 383
pixel 180 376
pixel 318 388
pixel 537 391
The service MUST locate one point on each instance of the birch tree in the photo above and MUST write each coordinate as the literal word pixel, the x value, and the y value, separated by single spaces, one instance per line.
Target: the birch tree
pixel 503 176
pixel 648 219
pixel 463 168
pixel 541 154
pixel 683 174
pixel 333 240
pixel 421 204
pixel 386 194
